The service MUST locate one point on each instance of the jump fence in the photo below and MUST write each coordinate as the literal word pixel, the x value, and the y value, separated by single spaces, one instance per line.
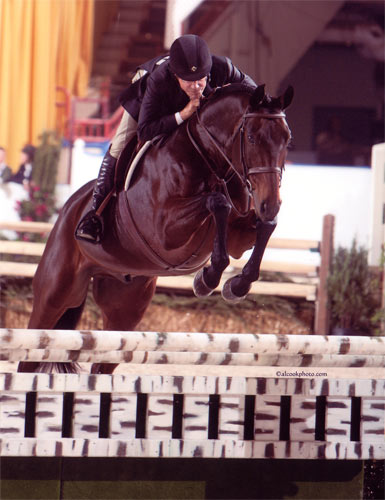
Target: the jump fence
pixel 195 395
pixel 307 281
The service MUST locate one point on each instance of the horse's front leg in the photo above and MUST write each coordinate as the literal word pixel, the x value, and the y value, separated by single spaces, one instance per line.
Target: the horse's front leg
pixel 208 278
pixel 237 287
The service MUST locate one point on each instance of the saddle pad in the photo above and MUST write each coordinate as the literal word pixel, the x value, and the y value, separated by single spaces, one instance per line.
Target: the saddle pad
pixel 134 163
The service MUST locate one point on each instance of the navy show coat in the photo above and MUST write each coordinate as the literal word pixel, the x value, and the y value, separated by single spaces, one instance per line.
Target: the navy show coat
pixel 154 99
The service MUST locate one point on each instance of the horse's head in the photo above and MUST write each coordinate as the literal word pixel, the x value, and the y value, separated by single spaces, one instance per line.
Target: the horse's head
pixel 264 137
pixel 250 141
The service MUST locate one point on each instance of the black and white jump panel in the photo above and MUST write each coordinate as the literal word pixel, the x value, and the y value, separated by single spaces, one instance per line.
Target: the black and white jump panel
pixel 191 416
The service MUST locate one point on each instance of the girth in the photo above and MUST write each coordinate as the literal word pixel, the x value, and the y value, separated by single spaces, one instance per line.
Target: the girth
pixel 137 239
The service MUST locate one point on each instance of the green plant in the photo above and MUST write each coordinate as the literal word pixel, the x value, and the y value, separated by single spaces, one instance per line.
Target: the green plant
pixel 40 204
pixel 378 322
pixel 46 161
pixel 354 290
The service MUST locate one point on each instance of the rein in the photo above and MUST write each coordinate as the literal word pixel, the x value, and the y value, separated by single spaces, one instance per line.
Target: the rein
pixel 232 171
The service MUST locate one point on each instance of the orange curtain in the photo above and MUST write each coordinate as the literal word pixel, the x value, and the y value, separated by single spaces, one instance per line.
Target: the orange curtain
pixel 43 44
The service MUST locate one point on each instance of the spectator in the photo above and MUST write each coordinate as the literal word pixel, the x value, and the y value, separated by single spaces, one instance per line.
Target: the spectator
pixel 5 171
pixel 23 175
pixel 332 147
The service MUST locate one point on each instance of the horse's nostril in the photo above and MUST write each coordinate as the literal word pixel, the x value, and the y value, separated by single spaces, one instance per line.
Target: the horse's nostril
pixel 263 207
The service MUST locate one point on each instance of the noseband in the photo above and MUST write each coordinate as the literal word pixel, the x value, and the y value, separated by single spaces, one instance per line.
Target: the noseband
pixel 232 171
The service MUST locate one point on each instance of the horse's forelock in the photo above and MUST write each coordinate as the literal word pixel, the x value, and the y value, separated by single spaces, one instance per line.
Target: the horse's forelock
pixel 229 89
pixel 271 103
pixel 268 103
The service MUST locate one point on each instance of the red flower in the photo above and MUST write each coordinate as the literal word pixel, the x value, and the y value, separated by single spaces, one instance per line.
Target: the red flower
pixel 41 209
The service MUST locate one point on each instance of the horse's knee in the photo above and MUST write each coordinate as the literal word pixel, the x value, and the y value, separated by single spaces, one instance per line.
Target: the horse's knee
pixel 218 202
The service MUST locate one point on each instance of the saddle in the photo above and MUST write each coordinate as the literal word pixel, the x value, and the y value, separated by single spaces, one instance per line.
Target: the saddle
pixel 123 164
pixel 126 164
pixel 121 168
pixel 129 159
pixel 134 162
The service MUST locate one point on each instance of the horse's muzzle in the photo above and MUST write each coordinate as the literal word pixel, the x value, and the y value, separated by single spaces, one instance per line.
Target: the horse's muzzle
pixel 266 210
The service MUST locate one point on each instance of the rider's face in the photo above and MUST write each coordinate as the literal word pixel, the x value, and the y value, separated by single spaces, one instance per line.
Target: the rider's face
pixel 193 89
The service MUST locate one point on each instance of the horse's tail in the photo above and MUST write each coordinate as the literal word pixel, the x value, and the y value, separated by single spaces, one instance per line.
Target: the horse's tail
pixel 68 321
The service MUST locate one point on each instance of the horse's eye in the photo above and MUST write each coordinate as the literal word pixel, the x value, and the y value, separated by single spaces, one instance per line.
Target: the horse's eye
pixel 251 139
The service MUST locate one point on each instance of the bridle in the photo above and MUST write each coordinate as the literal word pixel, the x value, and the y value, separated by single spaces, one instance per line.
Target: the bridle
pixel 231 170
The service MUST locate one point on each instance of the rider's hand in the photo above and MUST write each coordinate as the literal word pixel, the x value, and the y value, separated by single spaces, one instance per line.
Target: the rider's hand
pixel 190 109
pixel 194 90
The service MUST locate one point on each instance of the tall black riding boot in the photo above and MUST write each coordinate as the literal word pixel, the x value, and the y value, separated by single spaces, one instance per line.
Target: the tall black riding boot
pixel 90 228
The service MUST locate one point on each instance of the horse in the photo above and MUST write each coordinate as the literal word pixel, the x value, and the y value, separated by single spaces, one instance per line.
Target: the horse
pixel 208 191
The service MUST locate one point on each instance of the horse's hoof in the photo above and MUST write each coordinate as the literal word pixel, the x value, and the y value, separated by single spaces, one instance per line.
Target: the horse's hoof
pixel 228 295
pixel 199 286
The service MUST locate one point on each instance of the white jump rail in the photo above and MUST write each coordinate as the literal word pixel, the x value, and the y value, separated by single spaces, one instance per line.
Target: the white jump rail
pixel 313 287
pixel 306 290
pixel 195 395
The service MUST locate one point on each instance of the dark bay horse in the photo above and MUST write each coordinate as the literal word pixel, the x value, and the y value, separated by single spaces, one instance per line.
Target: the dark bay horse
pixel 211 189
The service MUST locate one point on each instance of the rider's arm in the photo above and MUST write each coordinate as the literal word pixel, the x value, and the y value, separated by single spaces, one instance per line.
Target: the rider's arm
pixel 155 115
pixel 224 71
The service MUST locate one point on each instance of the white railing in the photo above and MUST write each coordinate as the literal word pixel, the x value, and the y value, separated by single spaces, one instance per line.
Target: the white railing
pixel 195 395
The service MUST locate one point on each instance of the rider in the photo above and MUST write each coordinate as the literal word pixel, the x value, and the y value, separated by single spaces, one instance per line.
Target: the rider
pixel 164 93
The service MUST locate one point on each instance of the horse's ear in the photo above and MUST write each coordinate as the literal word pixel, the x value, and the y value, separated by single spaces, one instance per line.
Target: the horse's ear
pixel 287 97
pixel 257 96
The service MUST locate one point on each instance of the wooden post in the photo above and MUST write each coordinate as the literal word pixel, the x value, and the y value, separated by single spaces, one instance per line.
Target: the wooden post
pixel 322 313
pixel 382 323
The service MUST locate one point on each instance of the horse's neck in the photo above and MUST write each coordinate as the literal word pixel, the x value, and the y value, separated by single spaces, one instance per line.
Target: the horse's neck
pixel 214 131
pixel 221 117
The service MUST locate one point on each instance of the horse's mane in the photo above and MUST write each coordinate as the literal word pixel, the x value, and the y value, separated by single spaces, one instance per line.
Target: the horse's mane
pixel 230 88
pixel 235 88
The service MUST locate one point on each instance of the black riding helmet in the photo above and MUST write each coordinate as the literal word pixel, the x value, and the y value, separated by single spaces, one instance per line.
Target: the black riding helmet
pixel 190 58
